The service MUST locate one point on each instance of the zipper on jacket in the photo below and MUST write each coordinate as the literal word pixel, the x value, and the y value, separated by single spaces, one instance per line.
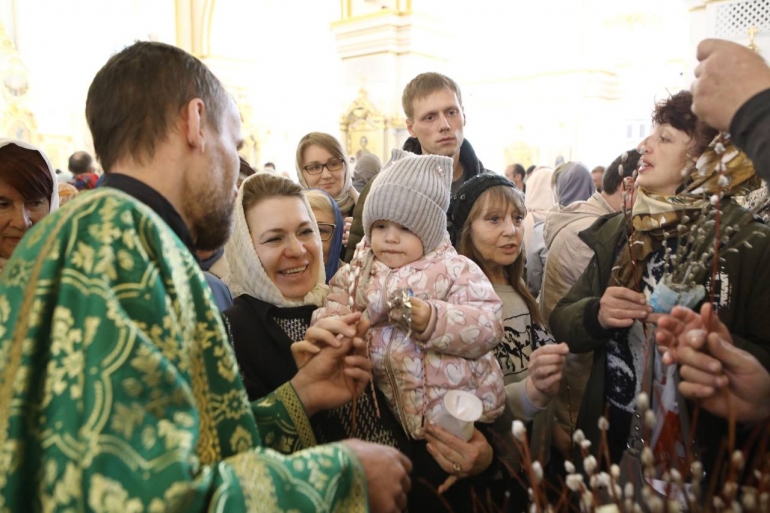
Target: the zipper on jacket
pixel 396 392
pixel 388 363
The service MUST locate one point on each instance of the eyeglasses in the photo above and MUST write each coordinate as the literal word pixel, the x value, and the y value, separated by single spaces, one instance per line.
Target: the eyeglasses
pixel 326 230
pixel 332 165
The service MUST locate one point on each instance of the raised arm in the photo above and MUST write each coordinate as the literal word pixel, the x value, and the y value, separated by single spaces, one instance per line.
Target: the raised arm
pixel 337 303
pixel 469 322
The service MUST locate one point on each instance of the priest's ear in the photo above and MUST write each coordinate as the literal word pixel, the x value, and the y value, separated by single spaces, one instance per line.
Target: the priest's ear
pixel 194 124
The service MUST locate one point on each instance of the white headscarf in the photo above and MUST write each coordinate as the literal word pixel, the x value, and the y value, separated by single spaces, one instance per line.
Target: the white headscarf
pixel 247 276
pixel 538 200
pixel 54 200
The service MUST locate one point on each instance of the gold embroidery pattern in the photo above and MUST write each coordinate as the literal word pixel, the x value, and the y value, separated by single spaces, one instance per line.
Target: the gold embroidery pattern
pixel 286 394
pixel 109 496
pixel 229 406
pixel 314 480
pixel 14 360
pixel 259 492
pixel 115 370
pixel 358 496
pixel 241 441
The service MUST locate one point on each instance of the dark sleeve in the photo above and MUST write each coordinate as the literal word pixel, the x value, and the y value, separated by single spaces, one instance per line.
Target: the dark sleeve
pixel 575 320
pixel 751 325
pixel 357 228
pixel 262 369
pixel 750 131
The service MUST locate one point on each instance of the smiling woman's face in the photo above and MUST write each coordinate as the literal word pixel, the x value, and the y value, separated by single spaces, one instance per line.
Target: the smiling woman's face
pixel 287 245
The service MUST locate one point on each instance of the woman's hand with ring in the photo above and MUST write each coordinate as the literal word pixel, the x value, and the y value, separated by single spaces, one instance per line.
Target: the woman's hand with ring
pixel 456 457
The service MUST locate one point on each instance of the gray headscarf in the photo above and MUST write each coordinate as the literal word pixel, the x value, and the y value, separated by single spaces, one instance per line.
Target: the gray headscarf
pixel 367 168
pixel 574 183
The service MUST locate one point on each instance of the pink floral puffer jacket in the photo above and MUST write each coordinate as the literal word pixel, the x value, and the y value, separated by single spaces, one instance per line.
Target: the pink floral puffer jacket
pixel 456 350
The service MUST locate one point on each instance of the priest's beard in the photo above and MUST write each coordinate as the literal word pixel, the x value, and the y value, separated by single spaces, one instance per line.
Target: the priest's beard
pixel 210 214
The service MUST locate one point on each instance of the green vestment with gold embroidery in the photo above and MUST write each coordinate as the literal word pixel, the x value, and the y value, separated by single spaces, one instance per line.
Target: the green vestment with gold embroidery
pixel 119 390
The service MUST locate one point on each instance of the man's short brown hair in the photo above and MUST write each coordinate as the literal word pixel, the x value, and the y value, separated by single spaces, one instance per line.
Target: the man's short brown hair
pixel 424 84
pixel 136 97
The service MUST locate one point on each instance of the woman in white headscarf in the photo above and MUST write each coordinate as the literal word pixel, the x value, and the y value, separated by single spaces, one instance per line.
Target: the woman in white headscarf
pixel 538 201
pixel 28 192
pixel 278 280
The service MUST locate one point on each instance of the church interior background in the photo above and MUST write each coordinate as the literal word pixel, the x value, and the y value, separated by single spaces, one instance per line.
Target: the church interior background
pixel 539 79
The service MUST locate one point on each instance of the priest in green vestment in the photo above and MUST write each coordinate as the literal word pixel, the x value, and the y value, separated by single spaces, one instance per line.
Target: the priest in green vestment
pixel 119 390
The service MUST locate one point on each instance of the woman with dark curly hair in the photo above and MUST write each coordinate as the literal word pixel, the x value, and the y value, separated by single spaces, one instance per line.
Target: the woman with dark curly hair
pixel 608 310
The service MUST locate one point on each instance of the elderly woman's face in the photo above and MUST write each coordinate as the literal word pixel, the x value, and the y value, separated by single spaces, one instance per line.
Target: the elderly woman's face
pixel 17 215
pixel 497 234
pixel 287 244
pixel 664 157
pixel 323 217
pixel 331 180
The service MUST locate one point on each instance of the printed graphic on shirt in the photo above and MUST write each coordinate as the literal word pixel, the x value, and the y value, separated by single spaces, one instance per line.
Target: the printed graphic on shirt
pixel 722 289
pixel 625 352
pixel 514 351
pixel 519 337
pixel 625 366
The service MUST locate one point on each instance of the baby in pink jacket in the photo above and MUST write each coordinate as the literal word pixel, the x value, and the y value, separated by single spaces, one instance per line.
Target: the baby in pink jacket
pixel 456 317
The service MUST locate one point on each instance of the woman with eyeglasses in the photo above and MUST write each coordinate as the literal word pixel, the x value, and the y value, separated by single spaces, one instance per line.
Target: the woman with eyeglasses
pixel 322 164
pixel 330 227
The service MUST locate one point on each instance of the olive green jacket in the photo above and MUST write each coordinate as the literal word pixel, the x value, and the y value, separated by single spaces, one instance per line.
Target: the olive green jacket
pixel 743 305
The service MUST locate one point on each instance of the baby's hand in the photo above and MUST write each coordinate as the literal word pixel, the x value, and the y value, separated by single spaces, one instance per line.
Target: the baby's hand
pixel 330 331
pixel 346 232
pixel 303 351
pixel 420 315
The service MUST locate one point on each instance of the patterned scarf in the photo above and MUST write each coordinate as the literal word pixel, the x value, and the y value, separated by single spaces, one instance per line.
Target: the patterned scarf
pixel 656 217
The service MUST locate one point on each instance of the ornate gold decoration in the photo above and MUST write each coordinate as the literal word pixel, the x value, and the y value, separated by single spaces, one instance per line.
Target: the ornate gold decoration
pixel 294 407
pixel 348 14
pixel 16 120
pixel 6 45
pixel 752 46
pixel 397 122
pixel 252 136
pixel 363 127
